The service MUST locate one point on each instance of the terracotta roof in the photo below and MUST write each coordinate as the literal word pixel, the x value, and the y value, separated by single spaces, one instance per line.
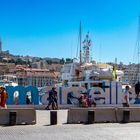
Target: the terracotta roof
pixel 42 75
pixel 1 64
pixel 32 69
pixel 37 70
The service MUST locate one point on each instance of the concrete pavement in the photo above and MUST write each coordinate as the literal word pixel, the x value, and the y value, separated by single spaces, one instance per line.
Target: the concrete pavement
pixel 42 131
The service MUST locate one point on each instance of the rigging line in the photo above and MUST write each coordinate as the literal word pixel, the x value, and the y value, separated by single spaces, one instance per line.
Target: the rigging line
pixel 134 60
pixel 77 52
pixel 138 43
pixel 71 50
pixel 136 55
pixel 80 36
pixel 100 52
pixel 138 68
pixel 137 38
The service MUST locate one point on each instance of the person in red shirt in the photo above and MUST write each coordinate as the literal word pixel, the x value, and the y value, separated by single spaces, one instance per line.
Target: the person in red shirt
pixel 3 97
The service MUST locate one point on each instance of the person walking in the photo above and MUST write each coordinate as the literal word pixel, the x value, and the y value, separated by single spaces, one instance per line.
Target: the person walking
pixel 125 97
pixel 52 99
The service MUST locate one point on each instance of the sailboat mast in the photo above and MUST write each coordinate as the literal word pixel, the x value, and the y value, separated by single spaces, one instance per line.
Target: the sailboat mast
pixel 138 44
pixel 80 43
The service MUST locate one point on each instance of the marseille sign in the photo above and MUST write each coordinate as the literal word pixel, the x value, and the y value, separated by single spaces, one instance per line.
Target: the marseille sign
pixel 109 93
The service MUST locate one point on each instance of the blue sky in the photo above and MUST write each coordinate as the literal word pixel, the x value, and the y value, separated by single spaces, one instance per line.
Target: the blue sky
pixel 49 28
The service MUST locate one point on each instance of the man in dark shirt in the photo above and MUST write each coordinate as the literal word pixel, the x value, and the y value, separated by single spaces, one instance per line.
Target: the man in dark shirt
pixel 52 99
pixel 137 89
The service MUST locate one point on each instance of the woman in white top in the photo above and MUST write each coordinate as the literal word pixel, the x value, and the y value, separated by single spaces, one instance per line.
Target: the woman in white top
pixel 125 97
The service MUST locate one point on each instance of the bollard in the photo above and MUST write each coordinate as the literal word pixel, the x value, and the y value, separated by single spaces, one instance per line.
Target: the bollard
pixel 91 116
pixel 53 117
pixel 12 118
pixel 126 116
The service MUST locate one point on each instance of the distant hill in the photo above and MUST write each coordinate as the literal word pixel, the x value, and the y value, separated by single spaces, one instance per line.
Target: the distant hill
pixel 6 57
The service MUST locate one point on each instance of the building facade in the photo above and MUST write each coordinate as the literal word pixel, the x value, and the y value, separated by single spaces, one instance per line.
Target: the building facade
pixel 132 74
pixel 36 77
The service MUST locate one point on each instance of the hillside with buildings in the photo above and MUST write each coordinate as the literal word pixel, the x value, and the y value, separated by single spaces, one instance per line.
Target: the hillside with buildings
pixel 31 70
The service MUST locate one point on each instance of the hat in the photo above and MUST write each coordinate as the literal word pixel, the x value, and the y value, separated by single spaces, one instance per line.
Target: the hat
pixel 2 88
pixel 53 87
pixel 84 93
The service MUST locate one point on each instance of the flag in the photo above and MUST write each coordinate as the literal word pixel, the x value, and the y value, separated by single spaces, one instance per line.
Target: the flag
pixel 114 72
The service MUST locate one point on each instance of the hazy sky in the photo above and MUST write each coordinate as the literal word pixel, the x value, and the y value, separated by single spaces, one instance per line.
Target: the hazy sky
pixel 49 28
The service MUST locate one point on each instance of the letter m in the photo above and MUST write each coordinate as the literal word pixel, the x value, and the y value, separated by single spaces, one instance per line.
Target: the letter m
pixel 22 91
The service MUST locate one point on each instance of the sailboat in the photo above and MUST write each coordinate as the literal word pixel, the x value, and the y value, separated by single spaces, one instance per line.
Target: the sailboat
pixel 137 78
pixel 84 71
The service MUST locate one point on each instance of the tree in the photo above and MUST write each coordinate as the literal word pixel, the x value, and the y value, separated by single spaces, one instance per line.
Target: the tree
pixel 49 62
pixel 11 61
pixel 20 62
pixel 69 60
pixel 62 61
